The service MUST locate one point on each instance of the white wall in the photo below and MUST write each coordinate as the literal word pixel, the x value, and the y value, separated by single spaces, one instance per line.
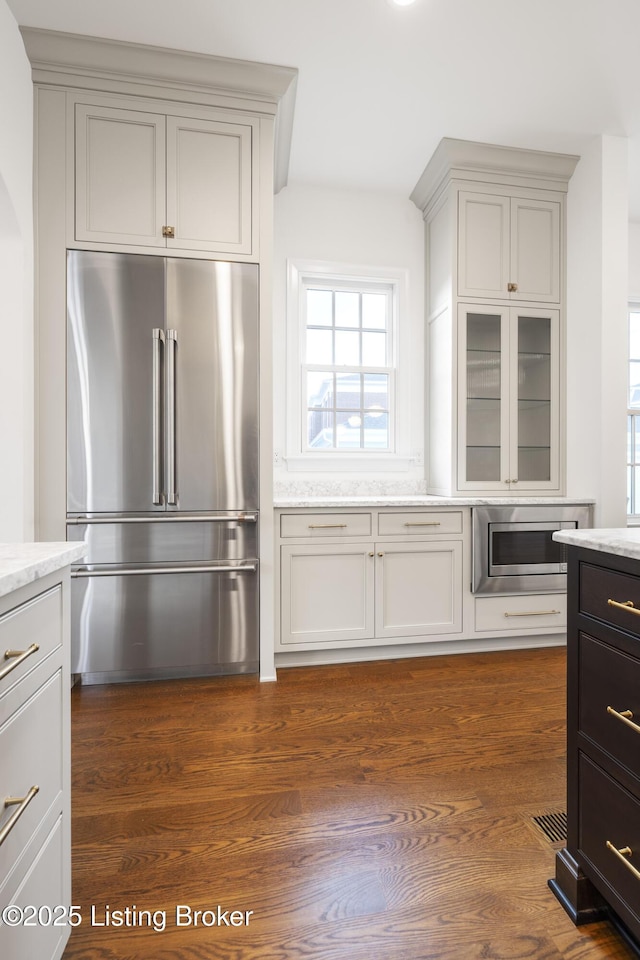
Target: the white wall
pixel 16 284
pixel 597 285
pixel 634 261
pixel 357 228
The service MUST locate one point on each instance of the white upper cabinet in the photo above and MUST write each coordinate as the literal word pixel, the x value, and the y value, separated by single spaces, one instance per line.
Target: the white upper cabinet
pixel 209 184
pixel 156 180
pixel 509 248
pixel 509 399
pixel 495 386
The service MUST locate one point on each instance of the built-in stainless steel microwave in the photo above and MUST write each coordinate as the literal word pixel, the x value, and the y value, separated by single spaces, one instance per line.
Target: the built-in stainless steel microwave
pixel 514 550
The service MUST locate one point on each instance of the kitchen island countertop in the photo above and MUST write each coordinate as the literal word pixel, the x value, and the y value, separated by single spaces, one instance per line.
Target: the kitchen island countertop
pixel 619 541
pixel 22 563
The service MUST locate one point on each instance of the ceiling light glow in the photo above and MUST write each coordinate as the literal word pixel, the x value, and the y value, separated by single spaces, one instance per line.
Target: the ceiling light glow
pixel 401 3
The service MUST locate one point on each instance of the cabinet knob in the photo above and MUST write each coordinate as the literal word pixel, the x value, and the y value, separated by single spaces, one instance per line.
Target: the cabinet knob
pixel 512 287
pixel 169 232
pixel 381 554
pixel 371 554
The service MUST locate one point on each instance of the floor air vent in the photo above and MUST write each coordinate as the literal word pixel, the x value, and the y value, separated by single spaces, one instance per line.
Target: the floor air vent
pixel 553 825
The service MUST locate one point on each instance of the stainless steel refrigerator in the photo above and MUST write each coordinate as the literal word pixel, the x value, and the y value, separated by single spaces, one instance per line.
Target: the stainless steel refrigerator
pixel 162 465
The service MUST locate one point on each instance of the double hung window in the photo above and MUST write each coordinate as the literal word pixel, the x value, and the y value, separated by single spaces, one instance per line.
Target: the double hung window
pixel 346 408
pixel 347 370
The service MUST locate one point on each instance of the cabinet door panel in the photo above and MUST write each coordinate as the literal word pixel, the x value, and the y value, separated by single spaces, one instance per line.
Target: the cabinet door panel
pixel 418 589
pixel 534 398
pixel 535 250
pixel 326 593
pixel 483 253
pixel 483 400
pixel 209 184
pixel 45 887
pixel 30 746
pixel 120 176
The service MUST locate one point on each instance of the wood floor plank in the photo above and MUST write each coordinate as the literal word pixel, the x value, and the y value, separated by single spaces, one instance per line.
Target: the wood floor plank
pixel 374 811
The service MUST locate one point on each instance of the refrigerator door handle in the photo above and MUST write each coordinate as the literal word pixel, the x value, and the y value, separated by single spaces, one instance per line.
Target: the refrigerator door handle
pixel 158 341
pixel 244 566
pixel 170 420
pixel 250 517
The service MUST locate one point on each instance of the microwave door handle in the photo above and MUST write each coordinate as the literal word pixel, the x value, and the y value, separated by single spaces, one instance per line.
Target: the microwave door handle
pixel 170 421
pixel 156 417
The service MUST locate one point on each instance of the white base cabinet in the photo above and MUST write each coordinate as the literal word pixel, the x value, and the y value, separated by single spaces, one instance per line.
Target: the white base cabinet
pixel 35 841
pixel 326 593
pixel 371 582
pixel 418 589
pixel 370 591
pixel 359 578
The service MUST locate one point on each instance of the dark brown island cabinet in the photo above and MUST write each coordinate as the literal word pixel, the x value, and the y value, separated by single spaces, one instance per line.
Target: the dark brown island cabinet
pixel 598 872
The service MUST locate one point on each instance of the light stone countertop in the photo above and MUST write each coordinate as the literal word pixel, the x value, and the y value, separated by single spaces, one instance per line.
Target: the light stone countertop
pixel 22 563
pixel 419 500
pixel 619 541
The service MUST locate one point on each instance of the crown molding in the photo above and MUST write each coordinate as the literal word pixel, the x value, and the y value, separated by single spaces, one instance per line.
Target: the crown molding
pixel 466 160
pixel 74 60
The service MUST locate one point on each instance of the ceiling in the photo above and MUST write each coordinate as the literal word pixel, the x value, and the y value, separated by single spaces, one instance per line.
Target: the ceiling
pixel 379 86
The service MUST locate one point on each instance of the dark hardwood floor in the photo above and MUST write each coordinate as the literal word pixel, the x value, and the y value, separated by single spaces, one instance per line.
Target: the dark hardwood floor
pixel 378 811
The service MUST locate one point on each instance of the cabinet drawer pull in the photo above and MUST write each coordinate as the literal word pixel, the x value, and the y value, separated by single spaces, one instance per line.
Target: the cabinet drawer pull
pixel 624 605
pixel 23 803
pixel 534 613
pixel 325 526
pixel 422 523
pixel 622 855
pixel 16 657
pixel 626 716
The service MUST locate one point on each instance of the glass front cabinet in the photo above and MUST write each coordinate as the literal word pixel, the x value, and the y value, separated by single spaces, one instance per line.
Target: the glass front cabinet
pixel 508 398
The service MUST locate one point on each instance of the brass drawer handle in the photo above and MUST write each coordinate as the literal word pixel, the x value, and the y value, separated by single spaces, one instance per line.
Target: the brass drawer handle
pixel 326 526
pixel 625 605
pixel 622 855
pixel 534 613
pixel 22 804
pixel 16 657
pixel 626 716
pixel 422 523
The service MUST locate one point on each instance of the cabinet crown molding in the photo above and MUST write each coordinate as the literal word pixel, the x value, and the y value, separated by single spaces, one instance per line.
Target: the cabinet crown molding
pixel 102 64
pixel 467 160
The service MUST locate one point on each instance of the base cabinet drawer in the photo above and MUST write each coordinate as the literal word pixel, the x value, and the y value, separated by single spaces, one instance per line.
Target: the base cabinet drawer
pixel 608 838
pixel 610 700
pixel 611 596
pixel 33 630
pixel 539 612
pixel 45 933
pixel 419 524
pixel 325 525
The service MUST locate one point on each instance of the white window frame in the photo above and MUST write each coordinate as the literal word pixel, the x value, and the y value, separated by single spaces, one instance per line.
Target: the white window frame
pixel 300 275
pixel 633 519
